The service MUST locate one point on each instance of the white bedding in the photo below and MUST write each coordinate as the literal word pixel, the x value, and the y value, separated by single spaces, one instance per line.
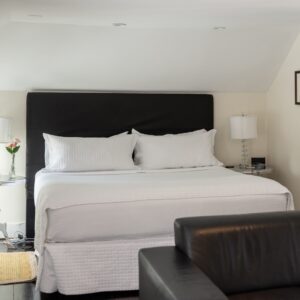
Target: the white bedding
pixel 137 204
pixel 98 206
pixel 91 267
pixel 149 218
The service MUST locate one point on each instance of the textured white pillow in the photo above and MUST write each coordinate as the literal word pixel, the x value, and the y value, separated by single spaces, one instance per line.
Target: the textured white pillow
pixel 176 151
pixel 46 155
pixel 68 154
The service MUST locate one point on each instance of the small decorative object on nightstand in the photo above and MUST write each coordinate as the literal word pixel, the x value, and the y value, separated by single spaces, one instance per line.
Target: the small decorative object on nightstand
pixel 12 148
pixel 258 162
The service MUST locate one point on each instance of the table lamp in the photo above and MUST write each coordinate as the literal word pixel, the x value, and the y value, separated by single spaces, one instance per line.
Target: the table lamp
pixel 5 136
pixel 5 130
pixel 243 128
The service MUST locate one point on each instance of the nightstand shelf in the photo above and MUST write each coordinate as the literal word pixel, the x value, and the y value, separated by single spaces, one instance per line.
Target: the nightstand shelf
pixel 20 246
pixel 5 180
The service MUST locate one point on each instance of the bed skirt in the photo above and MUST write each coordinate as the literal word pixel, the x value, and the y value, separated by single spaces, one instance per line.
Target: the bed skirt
pixel 91 267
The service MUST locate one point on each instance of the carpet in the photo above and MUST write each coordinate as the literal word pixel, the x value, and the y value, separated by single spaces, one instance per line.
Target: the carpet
pixel 17 267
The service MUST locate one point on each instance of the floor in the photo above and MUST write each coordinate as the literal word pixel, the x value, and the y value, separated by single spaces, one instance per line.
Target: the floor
pixel 26 291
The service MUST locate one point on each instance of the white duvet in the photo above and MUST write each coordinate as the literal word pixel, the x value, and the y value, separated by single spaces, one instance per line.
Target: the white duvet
pixel 62 190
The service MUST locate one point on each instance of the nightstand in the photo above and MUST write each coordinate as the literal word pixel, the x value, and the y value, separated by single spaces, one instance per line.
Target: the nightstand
pixel 261 172
pixel 6 181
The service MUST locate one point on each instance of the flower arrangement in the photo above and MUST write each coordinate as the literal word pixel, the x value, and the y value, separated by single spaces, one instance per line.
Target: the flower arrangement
pixel 12 148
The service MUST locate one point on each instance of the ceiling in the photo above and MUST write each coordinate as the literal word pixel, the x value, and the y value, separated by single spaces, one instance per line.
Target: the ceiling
pixel 164 45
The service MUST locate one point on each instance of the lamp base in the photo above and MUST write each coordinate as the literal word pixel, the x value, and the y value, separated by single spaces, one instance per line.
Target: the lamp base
pixel 244 154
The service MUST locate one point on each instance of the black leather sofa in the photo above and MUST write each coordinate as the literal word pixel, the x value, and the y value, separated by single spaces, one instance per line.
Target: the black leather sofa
pixel 249 257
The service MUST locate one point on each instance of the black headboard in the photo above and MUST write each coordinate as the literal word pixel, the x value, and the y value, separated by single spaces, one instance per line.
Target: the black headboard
pixel 102 115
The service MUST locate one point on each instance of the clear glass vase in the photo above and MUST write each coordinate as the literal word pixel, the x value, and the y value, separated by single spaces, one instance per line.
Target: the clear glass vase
pixel 12 172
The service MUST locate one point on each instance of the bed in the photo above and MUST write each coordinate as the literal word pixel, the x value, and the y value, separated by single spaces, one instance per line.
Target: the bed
pixel 90 226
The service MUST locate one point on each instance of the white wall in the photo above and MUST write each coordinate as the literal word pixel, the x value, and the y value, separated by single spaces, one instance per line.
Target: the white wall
pixel 284 125
pixel 12 104
pixel 12 198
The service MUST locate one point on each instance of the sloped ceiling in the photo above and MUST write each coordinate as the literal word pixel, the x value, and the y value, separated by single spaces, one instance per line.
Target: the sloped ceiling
pixel 168 45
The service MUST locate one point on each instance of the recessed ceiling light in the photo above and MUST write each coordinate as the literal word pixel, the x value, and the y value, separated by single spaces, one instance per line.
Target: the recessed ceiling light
pixel 119 24
pixel 35 16
pixel 219 28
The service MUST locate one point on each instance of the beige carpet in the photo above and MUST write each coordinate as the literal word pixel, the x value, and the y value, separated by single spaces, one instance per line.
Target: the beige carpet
pixel 17 267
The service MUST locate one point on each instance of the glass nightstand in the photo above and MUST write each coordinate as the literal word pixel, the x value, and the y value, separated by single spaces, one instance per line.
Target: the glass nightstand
pixel 251 171
pixel 5 180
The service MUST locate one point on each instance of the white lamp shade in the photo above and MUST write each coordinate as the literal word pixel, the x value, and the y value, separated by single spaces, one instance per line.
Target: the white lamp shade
pixel 5 130
pixel 243 127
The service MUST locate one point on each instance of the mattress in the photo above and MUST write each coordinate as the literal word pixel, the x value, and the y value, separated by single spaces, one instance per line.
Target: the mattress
pixel 135 204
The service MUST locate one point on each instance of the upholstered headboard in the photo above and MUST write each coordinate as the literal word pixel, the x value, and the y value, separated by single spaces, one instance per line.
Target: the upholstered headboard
pixel 104 114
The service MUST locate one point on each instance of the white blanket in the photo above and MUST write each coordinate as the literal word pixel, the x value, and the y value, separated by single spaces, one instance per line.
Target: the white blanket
pixel 60 190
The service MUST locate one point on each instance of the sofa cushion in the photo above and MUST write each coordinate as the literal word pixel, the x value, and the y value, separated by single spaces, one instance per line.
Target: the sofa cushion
pixel 244 253
pixel 289 293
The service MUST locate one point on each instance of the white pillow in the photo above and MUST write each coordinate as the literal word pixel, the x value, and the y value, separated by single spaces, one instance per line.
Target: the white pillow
pixel 46 155
pixel 184 133
pixel 89 154
pixel 176 151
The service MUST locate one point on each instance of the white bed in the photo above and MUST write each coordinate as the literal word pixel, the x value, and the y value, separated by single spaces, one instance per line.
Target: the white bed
pixel 108 216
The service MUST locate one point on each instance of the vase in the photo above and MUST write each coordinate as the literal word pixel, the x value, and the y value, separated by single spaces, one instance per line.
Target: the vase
pixel 12 172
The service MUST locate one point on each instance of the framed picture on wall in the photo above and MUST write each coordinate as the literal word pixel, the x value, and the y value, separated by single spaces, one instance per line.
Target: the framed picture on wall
pixel 297 87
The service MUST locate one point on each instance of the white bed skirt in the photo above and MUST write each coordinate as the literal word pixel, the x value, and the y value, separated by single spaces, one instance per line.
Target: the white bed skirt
pixel 91 267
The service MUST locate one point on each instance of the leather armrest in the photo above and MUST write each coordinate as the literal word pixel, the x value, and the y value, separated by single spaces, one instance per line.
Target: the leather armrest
pixel 165 273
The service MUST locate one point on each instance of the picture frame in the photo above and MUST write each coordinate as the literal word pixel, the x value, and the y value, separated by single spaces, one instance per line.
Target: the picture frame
pixel 297 84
